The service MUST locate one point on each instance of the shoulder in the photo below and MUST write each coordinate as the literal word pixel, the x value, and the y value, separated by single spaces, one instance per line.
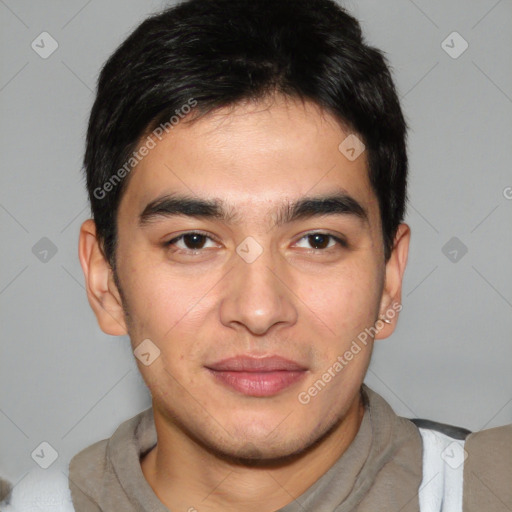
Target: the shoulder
pixel 91 459
pixel 95 470
pixel 496 438
pixel 488 470
pixel 85 469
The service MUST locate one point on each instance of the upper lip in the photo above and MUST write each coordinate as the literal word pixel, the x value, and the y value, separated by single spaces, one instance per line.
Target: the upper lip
pixel 255 364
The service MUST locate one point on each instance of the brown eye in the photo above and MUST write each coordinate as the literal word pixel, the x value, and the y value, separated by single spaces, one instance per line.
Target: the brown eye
pixel 191 242
pixel 319 240
pixel 194 241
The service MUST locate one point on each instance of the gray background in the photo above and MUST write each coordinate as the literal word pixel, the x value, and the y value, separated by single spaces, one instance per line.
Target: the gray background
pixel 65 382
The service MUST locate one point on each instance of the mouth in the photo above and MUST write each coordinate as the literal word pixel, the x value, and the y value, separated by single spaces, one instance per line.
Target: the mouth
pixel 258 377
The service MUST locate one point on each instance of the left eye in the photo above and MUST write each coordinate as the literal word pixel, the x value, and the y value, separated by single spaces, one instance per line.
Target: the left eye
pixel 320 241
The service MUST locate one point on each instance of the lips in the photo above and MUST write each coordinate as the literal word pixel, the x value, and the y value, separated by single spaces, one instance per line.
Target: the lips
pixel 254 364
pixel 259 377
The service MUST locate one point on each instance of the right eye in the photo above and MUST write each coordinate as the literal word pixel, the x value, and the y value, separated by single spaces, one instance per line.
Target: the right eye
pixel 193 241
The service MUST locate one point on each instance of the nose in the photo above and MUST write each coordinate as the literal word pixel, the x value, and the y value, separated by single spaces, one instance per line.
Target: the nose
pixel 257 296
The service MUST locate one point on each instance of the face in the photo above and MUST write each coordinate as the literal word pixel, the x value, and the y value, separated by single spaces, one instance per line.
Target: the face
pixel 250 254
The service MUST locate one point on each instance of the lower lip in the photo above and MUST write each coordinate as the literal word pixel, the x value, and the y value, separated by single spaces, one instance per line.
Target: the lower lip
pixel 259 383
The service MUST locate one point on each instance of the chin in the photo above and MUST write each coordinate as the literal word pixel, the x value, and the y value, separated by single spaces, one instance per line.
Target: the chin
pixel 271 447
pixel 262 453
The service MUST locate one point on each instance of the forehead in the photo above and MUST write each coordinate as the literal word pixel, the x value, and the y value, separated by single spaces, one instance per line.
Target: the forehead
pixel 252 157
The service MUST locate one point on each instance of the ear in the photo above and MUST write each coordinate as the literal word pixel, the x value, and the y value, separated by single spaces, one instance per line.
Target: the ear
pixel 391 300
pixel 102 291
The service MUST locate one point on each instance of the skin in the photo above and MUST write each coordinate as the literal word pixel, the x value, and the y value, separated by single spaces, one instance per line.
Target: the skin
pixel 219 449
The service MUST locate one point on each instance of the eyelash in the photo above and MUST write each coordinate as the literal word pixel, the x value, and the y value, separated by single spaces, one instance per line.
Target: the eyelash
pixel 337 239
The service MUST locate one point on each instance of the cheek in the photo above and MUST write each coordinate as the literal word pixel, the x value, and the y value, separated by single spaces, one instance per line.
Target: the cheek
pixel 345 300
pixel 163 302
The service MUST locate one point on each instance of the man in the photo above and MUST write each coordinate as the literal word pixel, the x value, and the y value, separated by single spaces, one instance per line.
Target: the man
pixel 246 166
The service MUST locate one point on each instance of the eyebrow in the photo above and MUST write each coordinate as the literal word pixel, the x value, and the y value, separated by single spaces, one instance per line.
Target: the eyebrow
pixel 339 203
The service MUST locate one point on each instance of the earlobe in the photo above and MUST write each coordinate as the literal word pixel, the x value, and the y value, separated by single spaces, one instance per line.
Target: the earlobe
pixel 390 305
pixel 102 292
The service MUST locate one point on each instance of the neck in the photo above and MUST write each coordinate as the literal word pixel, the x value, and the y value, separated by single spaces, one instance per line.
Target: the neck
pixel 185 476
